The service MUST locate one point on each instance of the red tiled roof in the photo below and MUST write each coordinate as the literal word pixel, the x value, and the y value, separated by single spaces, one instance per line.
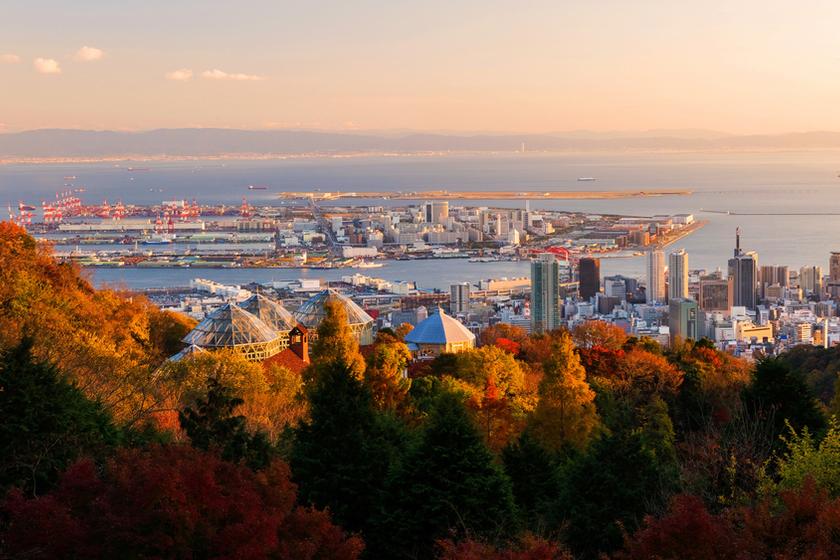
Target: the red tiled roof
pixel 288 359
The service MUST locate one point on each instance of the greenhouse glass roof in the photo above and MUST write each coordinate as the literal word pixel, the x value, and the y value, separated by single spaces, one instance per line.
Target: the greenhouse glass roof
pixel 230 325
pixel 187 352
pixel 269 312
pixel 311 313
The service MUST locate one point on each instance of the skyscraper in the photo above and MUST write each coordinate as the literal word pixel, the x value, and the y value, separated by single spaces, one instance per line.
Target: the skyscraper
pixel 834 274
pixel 714 295
pixel 655 276
pixel 678 275
pixel 589 276
pixel 773 275
pixel 459 298
pixel 811 279
pixel 545 297
pixel 683 319
pixel 743 276
pixel 437 212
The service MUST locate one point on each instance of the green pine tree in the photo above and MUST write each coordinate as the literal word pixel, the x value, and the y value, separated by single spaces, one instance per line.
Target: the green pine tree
pixel 46 424
pixel 621 478
pixel 533 473
pixel 447 485
pixel 777 392
pixel 341 455
pixel 211 424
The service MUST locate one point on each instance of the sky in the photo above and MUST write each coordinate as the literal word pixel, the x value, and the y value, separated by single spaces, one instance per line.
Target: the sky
pixel 746 66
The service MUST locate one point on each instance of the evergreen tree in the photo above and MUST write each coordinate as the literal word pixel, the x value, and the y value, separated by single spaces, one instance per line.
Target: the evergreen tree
pixel 213 425
pixel 335 343
pixel 565 414
pixel 777 392
pixel 341 455
pixel 621 478
pixel 46 423
pixel 448 484
pixel 533 475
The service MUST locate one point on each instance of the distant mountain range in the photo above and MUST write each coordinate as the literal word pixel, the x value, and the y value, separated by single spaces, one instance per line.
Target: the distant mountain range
pixel 57 143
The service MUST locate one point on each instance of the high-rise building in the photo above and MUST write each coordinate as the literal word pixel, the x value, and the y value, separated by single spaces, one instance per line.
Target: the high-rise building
pixel 656 276
pixel 589 277
pixel 773 275
pixel 437 212
pixel 834 274
pixel 545 296
pixel 459 298
pixel 811 279
pixel 678 275
pixel 683 319
pixel 615 286
pixel 743 276
pixel 714 295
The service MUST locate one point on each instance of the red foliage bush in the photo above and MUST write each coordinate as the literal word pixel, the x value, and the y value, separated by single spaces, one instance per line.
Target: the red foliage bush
pixel 806 524
pixel 529 549
pixel 171 501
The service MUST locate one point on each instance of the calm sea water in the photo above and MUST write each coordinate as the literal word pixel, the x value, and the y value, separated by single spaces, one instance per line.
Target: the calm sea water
pixel 790 196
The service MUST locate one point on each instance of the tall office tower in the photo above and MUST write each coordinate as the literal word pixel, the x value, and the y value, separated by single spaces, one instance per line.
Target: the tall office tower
pixel 743 276
pixel 655 276
pixel 678 275
pixel 589 277
pixel 811 279
pixel 683 319
pixel 437 212
pixel 783 276
pixel 714 295
pixel 834 274
pixel 772 275
pixel 483 217
pixel 545 296
pixel 459 298
pixel 615 286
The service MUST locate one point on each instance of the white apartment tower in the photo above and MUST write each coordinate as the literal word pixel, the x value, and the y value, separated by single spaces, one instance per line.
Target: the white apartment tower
pixel 655 276
pixel 678 275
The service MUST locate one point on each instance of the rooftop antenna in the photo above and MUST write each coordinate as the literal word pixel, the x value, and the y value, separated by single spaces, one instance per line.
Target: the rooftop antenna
pixel 737 241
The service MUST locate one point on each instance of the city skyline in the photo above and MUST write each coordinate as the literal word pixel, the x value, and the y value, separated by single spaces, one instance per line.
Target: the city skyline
pixel 432 66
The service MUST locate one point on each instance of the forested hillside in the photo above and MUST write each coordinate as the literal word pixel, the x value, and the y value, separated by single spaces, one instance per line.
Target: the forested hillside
pixel 579 444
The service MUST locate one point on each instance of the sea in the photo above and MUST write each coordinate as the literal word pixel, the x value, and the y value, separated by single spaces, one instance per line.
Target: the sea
pixel 786 204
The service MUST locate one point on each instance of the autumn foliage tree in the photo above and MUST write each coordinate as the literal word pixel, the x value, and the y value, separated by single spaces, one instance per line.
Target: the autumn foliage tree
pixel 109 344
pixel 385 374
pixel 599 333
pixel 804 523
pixel 171 502
pixel 565 414
pixel 335 343
pixel 530 548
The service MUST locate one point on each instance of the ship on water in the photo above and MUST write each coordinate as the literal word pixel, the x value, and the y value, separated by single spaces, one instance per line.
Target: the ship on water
pixel 587 179
pixel 367 264
pixel 159 239
pixel 257 188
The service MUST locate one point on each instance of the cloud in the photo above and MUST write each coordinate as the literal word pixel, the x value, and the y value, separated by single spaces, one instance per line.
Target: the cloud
pixel 181 75
pixel 9 59
pixel 88 54
pixel 47 66
pixel 217 74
